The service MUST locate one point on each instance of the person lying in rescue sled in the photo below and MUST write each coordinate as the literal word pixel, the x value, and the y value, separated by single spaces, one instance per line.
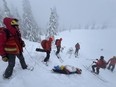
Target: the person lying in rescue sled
pixel 67 69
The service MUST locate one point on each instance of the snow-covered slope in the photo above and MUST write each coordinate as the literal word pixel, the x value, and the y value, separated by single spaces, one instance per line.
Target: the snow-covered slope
pixel 94 43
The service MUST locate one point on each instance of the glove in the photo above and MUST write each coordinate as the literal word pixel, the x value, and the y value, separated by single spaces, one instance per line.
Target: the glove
pixel 94 62
pixel 5 58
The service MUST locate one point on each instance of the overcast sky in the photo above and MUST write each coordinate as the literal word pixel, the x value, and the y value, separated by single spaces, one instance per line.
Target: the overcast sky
pixel 73 12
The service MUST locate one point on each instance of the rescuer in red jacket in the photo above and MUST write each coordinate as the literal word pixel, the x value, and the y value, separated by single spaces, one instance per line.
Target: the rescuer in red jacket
pixel 112 63
pixel 11 45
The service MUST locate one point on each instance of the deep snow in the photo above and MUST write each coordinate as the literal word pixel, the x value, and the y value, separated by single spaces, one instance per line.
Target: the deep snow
pixel 94 43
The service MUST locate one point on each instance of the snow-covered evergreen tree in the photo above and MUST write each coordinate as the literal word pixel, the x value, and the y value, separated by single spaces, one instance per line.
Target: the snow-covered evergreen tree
pixel 53 23
pixel 31 29
pixel 17 16
pixel 1 17
pixel 4 12
pixel 7 12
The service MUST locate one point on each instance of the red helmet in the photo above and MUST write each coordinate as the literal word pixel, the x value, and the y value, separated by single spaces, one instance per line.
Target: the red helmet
pixel 51 39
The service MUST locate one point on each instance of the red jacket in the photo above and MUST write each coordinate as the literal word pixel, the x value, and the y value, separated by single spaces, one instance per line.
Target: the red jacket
pixel 101 63
pixel 58 43
pixel 77 46
pixel 112 61
pixel 13 43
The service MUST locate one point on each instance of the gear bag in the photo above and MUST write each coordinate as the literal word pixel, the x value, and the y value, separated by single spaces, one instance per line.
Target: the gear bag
pixel 4 30
pixel 43 44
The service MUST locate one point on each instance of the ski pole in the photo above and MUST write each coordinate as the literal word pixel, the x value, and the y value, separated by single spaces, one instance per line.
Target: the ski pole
pixel 90 65
pixel 60 59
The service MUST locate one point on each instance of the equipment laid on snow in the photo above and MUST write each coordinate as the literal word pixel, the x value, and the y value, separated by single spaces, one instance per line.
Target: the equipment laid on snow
pixel 67 69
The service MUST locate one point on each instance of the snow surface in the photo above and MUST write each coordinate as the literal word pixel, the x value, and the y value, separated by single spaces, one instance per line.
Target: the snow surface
pixel 94 43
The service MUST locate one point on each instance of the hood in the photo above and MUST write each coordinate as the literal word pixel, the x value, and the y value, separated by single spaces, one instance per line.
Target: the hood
pixel 7 22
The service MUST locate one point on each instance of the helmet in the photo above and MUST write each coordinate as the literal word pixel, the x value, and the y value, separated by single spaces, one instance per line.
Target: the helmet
pixel 62 67
pixel 14 22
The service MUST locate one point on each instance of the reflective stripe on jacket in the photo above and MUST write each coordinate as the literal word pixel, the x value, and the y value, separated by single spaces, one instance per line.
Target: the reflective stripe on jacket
pixel 11 47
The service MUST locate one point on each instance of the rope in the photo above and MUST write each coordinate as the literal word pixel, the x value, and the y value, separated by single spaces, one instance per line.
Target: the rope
pixel 31 57
pixel 36 63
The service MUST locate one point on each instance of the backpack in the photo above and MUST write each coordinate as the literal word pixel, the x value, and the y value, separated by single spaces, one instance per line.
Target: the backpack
pixel 2 30
pixel 104 64
pixel 43 44
pixel 56 41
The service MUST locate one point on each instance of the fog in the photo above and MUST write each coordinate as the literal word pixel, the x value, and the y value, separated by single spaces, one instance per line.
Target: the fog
pixel 72 12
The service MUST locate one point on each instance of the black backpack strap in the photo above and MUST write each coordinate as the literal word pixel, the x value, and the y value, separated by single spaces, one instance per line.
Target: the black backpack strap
pixel 7 33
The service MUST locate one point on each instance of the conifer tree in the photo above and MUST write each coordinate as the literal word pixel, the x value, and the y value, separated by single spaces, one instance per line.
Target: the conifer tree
pixel 53 23
pixel 31 29
pixel 1 17
pixel 6 10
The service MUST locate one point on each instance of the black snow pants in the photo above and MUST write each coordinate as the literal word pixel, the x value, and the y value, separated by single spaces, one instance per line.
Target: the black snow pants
pixel 47 54
pixel 11 63
pixel 97 69
pixel 58 50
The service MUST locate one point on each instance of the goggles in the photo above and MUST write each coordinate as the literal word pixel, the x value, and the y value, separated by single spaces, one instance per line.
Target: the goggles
pixel 14 22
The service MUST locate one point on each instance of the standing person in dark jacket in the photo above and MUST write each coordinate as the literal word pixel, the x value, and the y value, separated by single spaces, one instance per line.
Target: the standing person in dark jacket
pixel 11 46
pixel 46 45
pixel 58 45
pixel 112 63
pixel 101 63
pixel 77 47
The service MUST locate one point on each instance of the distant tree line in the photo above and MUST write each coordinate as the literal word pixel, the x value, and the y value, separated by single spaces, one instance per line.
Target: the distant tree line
pixel 29 27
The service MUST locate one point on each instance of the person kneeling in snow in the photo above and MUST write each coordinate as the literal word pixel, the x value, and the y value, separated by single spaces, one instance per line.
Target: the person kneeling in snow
pixel 101 63
pixel 67 69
